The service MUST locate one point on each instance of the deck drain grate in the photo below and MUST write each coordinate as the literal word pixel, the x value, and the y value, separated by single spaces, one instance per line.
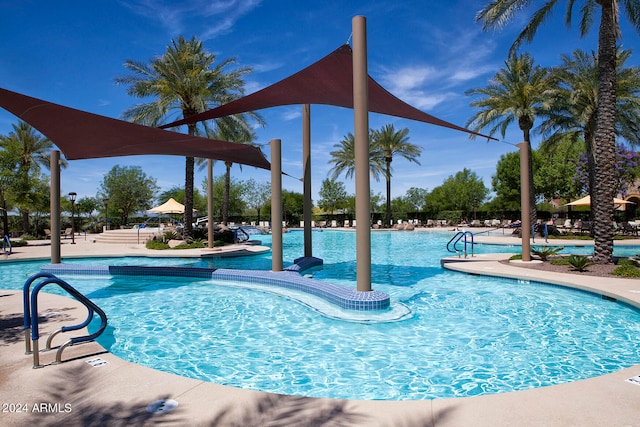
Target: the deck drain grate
pixel 634 380
pixel 162 406
pixel 97 362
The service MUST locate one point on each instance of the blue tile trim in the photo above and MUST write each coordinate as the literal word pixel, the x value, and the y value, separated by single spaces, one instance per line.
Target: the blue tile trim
pixel 101 270
pixel 342 296
pixel 133 270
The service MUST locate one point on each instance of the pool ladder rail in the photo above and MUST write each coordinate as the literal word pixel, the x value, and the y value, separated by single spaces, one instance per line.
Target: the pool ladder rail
pixel 31 321
pixel 466 237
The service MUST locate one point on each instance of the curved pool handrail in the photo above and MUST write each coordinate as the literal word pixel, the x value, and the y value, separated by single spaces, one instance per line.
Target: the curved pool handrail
pixel 91 309
pixel 236 237
pixel 456 238
pixel 27 307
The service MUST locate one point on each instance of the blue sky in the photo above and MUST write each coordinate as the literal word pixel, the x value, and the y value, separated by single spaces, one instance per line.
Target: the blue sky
pixel 426 53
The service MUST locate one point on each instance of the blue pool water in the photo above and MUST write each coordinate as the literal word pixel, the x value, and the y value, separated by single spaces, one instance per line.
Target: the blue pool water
pixel 466 335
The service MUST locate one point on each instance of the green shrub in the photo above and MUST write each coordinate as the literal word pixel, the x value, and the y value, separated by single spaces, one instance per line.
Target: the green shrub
pixel 19 243
pixel 192 245
pixel 224 235
pixel 156 244
pixel 626 271
pixel 218 243
pixel 559 261
pixel 545 251
pixel 170 235
pixel 626 262
pixel 579 262
pixel 515 257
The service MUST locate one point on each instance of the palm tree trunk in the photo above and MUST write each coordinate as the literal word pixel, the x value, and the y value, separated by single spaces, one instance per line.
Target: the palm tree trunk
pixel 604 149
pixel 589 147
pixel 25 220
pixel 227 190
pixel 188 195
pixel 188 185
pixel 387 174
pixel 5 218
pixel 533 212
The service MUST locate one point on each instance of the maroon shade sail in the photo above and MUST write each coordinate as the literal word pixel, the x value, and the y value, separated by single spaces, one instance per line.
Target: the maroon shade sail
pixel 82 135
pixel 328 81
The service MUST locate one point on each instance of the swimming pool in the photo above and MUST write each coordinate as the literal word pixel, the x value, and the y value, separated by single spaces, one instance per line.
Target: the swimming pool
pixel 466 335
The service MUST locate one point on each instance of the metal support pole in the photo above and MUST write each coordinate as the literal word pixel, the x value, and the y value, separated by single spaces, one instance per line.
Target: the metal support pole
pixel 54 206
pixel 306 165
pixel 276 204
pixel 524 201
pixel 361 132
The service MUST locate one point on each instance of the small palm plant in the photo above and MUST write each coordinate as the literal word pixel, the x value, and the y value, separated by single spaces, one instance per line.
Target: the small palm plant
pixel 545 252
pixel 579 262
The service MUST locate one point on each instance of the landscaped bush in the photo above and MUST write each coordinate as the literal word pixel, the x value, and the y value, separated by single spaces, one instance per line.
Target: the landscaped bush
pixel 626 262
pixel 626 271
pixel 579 262
pixel 545 252
pixel 19 243
pixel 225 235
pixel 560 261
pixel 193 245
pixel 156 244
pixel 170 235
pixel 627 268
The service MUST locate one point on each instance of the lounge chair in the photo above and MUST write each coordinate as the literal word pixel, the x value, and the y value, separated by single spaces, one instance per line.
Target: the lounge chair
pixel 67 233
pixel 47 233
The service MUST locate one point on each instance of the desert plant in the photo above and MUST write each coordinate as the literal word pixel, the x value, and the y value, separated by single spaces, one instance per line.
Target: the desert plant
pixel 515 257
pixel 559 261
pixel 545 252
pixel 626 262
pixel 626 271
pixel 579 262
pixel 156 244
pixel 170 235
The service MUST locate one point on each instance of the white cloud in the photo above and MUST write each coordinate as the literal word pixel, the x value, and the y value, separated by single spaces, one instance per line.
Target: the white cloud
pixel 291 114
pixel 177 17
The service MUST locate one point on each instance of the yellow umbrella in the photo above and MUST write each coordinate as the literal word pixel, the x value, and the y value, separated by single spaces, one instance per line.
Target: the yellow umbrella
pixel 169 207
pixel 586 201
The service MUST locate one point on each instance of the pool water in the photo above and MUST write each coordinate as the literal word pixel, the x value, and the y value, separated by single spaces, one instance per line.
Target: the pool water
pixel 466 335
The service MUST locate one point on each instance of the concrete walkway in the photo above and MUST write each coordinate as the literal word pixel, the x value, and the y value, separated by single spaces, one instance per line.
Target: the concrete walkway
pixel 112 392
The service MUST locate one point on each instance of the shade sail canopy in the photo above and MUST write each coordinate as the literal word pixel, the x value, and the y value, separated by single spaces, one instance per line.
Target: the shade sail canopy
pixel 169 207
pixel 328 81
pixel 82 135
pixel 586 201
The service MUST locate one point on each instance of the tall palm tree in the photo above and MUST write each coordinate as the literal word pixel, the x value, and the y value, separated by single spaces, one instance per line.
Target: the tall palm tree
pixel 184 79
pixel 573 112
pixel 498 13
pixel 344 158
pixel 388 143
pixel 517 93
pixel 233 129
pixel 31 151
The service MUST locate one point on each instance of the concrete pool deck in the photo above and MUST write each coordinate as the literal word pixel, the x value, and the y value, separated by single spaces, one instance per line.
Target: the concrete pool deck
pixel 117 392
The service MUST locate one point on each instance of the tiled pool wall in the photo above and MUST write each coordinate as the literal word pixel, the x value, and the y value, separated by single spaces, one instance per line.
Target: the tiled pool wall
pixel 343 297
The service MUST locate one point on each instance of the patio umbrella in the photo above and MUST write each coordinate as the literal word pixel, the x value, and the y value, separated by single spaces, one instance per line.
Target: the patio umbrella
pixel 586 201
pixel 169 207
